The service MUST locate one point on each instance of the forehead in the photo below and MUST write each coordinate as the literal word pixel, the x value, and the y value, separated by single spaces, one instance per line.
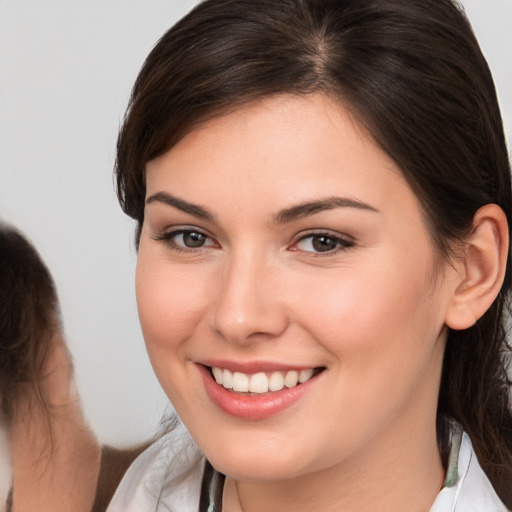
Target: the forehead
pixel 284 141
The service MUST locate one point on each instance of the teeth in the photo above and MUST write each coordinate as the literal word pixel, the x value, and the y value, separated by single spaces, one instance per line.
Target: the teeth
pixel 291 379
pixel 218 375
pixel 276 381
pixel 240 382
pixel 305 375
pixel 227 379
pixel 260 382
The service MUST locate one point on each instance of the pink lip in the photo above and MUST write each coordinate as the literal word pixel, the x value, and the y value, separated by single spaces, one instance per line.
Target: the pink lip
pixel 252 407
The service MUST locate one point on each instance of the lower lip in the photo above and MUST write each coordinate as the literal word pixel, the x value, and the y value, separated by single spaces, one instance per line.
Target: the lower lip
pixel 253 407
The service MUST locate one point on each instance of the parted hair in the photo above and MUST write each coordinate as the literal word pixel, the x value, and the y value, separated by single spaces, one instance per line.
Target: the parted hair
pixel 413 75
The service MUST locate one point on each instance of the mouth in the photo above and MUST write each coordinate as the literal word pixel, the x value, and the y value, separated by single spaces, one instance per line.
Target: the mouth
pixel 261 383
pixel 254 394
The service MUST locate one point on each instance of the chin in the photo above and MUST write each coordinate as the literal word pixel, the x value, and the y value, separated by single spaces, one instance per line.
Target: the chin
pixel 260 470
pixel 256 461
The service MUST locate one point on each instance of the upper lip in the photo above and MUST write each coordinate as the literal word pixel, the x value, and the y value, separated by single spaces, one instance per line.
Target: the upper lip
pixel 251 367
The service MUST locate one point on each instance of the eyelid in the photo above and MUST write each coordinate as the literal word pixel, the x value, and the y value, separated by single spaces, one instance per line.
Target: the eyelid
pixel 166 236
pixel 344 241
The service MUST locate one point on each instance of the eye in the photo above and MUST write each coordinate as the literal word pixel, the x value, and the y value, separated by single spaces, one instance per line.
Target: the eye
pixel 191 239
pixel 322 243
pixel 186 239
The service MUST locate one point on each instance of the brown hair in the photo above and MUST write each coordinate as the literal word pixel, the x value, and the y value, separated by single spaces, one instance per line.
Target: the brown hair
pixel 413 74
pixel 29 318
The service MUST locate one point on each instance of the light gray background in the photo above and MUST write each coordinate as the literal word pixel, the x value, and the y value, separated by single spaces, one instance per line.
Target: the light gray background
pixel 66 69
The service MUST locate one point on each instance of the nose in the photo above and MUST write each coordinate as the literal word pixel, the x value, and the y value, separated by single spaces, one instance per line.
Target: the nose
pixel 248 305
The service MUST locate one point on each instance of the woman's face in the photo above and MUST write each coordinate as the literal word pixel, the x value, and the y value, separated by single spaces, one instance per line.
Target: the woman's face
pixel 280 243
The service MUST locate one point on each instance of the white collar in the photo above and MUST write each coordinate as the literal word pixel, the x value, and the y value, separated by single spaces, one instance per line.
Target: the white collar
pixel 466 487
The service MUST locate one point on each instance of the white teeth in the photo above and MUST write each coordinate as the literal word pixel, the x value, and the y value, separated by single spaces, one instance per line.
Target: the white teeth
pixel 260 382
pixel 240 382
pixel 305 375
pixel 276 381
pixel 227 379
pixel 217 373
pixel 291 379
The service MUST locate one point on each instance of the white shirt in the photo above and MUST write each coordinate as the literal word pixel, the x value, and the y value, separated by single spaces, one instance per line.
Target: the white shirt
pixel 167 477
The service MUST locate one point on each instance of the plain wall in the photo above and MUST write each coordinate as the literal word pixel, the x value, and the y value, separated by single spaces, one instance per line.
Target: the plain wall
pixel 66 69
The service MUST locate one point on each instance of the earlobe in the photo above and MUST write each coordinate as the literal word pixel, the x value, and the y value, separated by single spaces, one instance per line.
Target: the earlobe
pixel 481 268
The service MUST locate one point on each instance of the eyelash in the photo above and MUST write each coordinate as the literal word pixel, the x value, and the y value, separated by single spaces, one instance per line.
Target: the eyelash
pixel 340 243
pixel 169 237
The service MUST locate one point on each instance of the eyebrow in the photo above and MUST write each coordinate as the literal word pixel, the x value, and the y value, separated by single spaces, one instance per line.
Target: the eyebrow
pixel 310 208
pixel 190 208
pixel 284 216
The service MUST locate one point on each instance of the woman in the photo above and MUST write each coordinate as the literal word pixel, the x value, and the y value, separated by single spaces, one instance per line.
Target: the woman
pixel 55 457
pixel 322 194
pixel 57 463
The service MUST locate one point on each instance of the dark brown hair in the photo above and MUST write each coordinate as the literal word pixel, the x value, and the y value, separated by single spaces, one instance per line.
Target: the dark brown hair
pixel 412 73
pixel 29 318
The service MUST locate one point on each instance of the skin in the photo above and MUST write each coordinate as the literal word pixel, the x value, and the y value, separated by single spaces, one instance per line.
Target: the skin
pixel 55 456
pixel 371 312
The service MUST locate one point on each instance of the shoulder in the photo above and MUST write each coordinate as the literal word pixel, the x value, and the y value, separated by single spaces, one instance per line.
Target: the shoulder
pixel 166 476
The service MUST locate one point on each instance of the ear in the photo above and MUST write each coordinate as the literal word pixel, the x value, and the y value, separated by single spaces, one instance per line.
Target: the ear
pixel 480 269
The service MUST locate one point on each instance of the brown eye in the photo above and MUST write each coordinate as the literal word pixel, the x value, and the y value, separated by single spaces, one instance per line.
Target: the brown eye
pixel 322 243
pixel 186 239
pixel 193 239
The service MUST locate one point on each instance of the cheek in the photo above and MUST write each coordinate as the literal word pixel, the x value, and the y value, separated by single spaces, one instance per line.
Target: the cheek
pixel 364 314
pixel 381 332
pixel 169 302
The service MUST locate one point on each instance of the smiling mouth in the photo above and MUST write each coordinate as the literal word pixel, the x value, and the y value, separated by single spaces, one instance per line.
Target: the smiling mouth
pixel 262 382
